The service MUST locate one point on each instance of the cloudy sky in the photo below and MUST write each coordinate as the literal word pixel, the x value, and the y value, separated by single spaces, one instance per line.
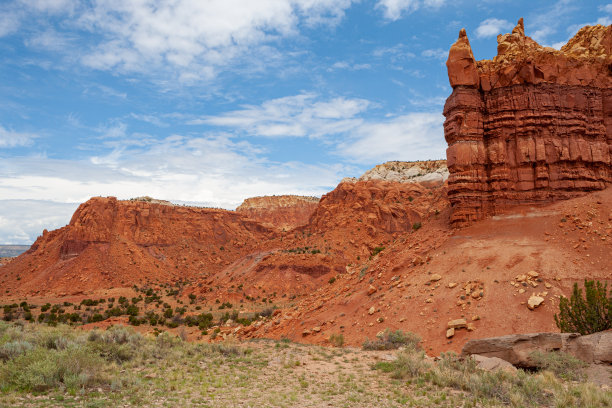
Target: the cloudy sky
pixel 213 101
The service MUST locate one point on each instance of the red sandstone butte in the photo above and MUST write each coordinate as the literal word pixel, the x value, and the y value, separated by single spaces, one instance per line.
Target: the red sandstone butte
pixel 533 125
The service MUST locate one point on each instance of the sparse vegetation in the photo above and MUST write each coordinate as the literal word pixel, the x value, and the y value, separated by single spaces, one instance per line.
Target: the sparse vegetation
pixel 391 340
pixel 42 366
pixel 563 365
pixel 585 315
pixel 377 250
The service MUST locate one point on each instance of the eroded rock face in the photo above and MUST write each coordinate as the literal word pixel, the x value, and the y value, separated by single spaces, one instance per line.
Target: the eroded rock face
pixel 533 125
pixel 372 205
pixel 110 243
pixel 284 211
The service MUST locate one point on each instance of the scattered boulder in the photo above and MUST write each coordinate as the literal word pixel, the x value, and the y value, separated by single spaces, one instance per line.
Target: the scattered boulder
pixel 457 324
pixel 371 290
pixel 450 333
pixel 372 310
pixel 493 364
pixel 435 277
pixel 534 301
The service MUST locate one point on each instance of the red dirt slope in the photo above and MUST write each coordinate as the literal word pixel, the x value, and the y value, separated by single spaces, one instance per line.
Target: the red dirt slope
pixel 563 242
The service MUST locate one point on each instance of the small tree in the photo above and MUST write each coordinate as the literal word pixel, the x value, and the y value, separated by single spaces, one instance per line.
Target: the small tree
pixel 586 315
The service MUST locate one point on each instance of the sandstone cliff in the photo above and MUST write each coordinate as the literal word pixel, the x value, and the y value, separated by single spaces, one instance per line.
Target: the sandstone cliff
pixel 284 212
pixel 112 243
pixel 533 125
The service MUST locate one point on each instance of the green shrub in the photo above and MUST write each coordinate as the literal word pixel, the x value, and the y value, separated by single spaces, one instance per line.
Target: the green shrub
pixel 377 250
pixel 416 226
pixel 587 315
pixel 41 369
pixel 409 364
pixel 563 365
pixel 391 340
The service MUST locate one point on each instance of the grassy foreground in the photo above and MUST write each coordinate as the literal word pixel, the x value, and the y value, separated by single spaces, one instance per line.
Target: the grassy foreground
pixel 43 366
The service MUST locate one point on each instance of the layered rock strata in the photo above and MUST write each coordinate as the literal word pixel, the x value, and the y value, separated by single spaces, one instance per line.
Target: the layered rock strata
pixel 533 125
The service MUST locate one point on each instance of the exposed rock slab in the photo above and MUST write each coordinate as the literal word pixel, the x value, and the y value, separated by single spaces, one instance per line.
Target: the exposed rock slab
pixel 493 363
pixel 533 125
pixel 516 348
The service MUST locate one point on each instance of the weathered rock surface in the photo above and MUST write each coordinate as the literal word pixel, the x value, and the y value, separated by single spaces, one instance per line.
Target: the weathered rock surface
pixel 493 364
pixel 374 205
pixel 533 125
pixel 517 348
pixel 285 211
pixel 432 171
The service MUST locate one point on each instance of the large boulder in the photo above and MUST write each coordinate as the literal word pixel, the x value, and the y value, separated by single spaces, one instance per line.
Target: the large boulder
pixel 517 348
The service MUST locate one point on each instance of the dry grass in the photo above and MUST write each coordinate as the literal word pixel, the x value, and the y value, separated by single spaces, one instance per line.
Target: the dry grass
pixel 64 367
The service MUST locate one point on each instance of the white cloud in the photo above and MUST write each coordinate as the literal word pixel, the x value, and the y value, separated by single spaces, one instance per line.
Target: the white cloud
pixel 294 116
pixel 9 22
pixel 341 65
pixel 396 9
pixel 197 38
pixel 544 25
pixel 414 136
pixel 208 169
pixel 437 53
pixel 9 138
pixel 21 221
pixel 606 8
pixel 491 27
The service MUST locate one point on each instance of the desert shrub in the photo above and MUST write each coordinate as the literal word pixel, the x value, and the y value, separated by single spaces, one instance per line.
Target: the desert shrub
pixel 416 226
pixel 377 250
pixel 391 340
pixel 13 349
pixel 337 340
pixel 266 312
pixel 563 365
pixel 409 364
pixel 131 310
pixel 587 315
pixel 41 369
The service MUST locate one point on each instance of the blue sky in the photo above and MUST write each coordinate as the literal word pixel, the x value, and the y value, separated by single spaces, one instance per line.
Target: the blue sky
pixel 211 102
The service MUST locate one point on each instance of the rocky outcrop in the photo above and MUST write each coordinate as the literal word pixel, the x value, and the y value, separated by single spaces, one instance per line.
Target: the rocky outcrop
pixel 431 172
pixel 375 206
pixel 533 125
pixel 517 348
pixel 285 211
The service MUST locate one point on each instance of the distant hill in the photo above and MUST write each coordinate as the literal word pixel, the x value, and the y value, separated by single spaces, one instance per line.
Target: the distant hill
pixel 9 251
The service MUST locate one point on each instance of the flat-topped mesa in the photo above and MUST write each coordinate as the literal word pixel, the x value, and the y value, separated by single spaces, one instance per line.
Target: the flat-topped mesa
pixel 533 125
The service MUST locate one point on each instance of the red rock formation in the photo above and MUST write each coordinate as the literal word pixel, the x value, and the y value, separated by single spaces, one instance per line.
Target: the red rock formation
pixel 284 212
pixel 111 243
pixel 533 125
pixel 375 206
